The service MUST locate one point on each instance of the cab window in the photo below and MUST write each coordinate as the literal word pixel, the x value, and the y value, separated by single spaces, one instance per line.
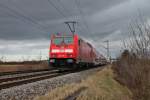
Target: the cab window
pixel 66 40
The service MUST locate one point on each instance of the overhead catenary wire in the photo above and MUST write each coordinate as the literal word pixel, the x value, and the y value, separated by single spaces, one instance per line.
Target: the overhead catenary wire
pixel 27 14
pixel 78 5
pixel 57 9
pixel 34 21
pixel 60 11
pixel 65 9
pixel 18 14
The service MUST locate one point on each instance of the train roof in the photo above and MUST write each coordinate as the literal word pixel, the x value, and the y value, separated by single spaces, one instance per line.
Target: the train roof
pixel 63 34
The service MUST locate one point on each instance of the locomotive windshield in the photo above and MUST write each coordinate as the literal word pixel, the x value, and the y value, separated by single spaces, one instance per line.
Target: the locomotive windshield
pixel 66 40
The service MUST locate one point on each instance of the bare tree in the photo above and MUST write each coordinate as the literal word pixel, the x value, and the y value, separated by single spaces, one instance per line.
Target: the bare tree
pixel 133 66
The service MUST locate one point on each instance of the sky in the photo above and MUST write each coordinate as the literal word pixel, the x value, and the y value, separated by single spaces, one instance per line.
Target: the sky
pixel 26 25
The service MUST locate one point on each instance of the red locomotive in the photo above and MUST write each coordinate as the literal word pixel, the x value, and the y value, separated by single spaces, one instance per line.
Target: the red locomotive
pixel 71 50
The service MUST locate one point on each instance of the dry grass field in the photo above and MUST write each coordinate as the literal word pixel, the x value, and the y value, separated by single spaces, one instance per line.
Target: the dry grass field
pixel 100 86
pixel 8 67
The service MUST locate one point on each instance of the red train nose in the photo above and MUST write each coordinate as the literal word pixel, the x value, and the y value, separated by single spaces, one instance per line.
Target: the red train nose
pixel 62 53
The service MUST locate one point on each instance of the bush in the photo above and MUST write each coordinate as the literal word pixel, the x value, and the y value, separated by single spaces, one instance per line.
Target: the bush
pixel 135 74
pixel 133 65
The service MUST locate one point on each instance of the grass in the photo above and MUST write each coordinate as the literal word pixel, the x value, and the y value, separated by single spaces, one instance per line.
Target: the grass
pixel 22 66
pixel 100 86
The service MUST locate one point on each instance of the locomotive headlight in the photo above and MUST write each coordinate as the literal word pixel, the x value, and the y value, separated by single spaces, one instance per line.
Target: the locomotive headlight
pixel 69 60
pixel 52 60
pixel 55 50
pixel 69 50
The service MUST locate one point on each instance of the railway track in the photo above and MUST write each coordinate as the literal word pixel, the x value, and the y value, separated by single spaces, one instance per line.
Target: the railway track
pixel 23 75
pixel 7 82
pixel 20 72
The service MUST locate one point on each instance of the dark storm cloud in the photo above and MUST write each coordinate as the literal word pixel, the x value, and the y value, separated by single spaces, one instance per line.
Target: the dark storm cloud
pixel 27 19
pixel 26 25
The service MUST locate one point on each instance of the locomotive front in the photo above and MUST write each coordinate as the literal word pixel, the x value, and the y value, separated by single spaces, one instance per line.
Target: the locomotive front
pixel 63 50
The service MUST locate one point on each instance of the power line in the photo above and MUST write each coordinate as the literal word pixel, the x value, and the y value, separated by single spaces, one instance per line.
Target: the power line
pixel 62 5
pixel 108 50
pixel 83 28
pixel 24 12
pixel 16 13
pixel 66 10
pixel 82 15
pixel 59 11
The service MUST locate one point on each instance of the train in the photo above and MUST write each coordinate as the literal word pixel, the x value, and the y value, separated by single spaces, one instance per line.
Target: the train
pixel 71 51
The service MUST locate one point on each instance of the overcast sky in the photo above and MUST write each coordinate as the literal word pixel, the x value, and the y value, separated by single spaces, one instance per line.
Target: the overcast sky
pixel 26 25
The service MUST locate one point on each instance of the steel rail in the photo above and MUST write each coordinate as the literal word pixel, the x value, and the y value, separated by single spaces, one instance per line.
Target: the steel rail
pixel 23 76
pixel 9 84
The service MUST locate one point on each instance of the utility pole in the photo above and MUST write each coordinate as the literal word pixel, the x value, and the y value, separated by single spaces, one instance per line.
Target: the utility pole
pixel 108 51
pixel 71 25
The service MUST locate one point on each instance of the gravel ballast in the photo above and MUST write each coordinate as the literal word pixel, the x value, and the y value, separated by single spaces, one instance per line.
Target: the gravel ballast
pixel 29 91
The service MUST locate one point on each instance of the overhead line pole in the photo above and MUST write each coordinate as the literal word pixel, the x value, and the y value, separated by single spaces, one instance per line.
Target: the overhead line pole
pixel 108 50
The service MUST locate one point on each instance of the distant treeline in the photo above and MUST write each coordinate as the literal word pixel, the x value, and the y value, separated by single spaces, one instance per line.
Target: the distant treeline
pixel 22 62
